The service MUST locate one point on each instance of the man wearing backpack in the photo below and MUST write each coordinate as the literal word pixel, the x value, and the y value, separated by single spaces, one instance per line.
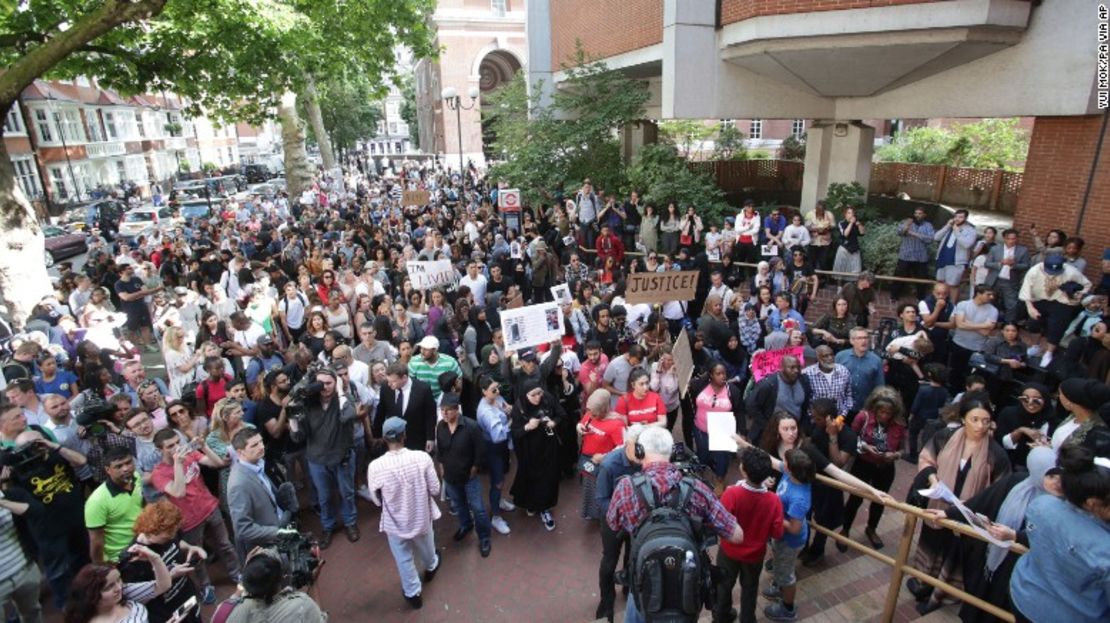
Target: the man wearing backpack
pixel 663 511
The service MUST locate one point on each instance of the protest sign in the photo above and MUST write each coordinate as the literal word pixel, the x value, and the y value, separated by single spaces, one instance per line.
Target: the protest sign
pixel 661 287
pixel 721 426
pixel 766 362
pixel 427 275
pixel 683 361
pixel 531 325
pixel 415 198
pixel 561 294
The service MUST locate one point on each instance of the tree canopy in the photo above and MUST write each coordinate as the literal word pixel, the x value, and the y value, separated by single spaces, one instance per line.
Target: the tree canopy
pixel 985 144
pixel 349 109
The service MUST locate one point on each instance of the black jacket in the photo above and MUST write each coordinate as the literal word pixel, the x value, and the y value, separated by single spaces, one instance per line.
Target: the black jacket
pixel 420 416
pixel 459 452
pixel 761 405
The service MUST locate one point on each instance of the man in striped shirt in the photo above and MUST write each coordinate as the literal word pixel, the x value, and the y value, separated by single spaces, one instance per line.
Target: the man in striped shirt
pixel 404 483
pixel 431 364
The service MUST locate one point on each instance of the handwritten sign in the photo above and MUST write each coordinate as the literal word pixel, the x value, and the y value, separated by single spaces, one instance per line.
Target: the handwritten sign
pixel 415 198
pixel 428 275
pixel 683 361
pixel 661 287
pixel 767 362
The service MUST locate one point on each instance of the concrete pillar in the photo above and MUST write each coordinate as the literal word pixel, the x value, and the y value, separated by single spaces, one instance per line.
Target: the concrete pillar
pixel 541 80
pixel 836 151
pixel 690 59
pixel 635 135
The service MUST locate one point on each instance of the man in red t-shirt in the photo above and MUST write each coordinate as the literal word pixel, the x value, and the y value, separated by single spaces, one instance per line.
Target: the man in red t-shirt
pixel 178 477
pixel 759 513
pixel 641 405
pixel 593 369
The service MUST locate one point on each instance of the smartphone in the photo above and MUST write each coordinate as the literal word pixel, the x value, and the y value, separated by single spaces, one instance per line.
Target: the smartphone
pixel 184 609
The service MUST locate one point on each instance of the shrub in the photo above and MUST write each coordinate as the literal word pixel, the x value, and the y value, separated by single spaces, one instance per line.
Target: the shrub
pixel 662 176
pixel 879 246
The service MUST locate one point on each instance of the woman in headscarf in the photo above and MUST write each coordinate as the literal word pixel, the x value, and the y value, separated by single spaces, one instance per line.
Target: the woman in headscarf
pixel 478 334
pixel 735 358
pixel 1025 423
pixel 987 567
pixel 967 460
pixel 1082 398
pixel 536 487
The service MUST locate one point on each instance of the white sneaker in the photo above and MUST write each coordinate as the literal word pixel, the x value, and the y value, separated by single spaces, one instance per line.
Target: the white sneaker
pixel 507 506
pixel 548 521
pixel 499 524
pixel 364 493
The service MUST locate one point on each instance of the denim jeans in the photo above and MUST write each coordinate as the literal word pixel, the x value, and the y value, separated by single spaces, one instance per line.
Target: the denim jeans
pixel 405 552
pixel 631 612
pixel 497 458
pixel 716 461
pixel 327 480
pixel 466 500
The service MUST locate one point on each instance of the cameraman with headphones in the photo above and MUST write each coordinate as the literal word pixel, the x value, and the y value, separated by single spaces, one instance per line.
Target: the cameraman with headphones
pixel 618 463
pixel 327 427
pixel 645 495
pixel 266 596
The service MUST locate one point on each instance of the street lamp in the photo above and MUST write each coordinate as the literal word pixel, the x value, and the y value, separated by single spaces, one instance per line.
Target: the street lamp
pixel 454 101
pixel 58 122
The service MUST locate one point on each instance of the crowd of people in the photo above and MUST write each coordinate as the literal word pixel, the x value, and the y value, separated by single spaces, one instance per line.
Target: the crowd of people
pixel 302 371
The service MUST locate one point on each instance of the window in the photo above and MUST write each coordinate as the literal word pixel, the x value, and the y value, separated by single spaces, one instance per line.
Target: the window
pixel 393 128
pixel 756 131
pixel 373 148
pixel 110 125
pixel 121 171
pixel 28 177
pixel 798 128
pixel 499 7
pixel 58 182
pixel 42 124
pixel 69 125
pixel 398 146
pixel 92 123
pixel 13 123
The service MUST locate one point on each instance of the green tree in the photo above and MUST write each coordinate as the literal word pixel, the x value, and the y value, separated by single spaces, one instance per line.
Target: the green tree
pixel 729 144
pixel 232 60
pixel 687 135
pixel 348 110
pixel 662 176
pixel 408 108
pixel 985 144
pixel 544 150
pixel 793 148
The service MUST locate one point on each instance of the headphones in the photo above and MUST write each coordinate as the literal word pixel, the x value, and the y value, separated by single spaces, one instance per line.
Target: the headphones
pixel 638 451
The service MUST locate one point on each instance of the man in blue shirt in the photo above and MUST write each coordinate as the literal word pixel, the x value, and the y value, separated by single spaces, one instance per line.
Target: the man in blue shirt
pixel 617 464
pixel 865 366
pixel 913 252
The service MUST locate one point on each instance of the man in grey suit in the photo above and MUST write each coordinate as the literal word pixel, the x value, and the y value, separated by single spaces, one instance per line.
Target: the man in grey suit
pixel 1006 265
pixel 259 509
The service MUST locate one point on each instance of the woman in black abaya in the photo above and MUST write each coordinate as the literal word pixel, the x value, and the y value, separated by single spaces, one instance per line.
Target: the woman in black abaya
pixel 535 417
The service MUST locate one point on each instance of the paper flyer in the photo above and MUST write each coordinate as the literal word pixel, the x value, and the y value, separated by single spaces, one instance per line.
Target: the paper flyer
pixel 979 523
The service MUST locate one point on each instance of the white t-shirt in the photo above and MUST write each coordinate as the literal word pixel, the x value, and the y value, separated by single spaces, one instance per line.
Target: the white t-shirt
pixel 477 286
pixel 294 310
pixel 248 339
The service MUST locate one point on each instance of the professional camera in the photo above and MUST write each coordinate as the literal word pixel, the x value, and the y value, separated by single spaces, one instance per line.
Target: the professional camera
pixel 306 388
pixel 23 455
pixel 686 461
pixel 300 558
pixel 91 414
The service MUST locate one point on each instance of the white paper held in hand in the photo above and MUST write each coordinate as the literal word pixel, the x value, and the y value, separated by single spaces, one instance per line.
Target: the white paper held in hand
pixel 721 426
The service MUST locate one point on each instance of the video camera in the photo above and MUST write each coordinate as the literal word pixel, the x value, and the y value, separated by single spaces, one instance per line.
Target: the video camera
pixel 306 388
pixel 23 455
pixel 686 461
pixel 300 558
pixel 91 414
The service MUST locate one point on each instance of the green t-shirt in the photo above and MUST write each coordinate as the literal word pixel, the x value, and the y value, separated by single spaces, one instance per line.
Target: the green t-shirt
pixel 114 510
pixel 420 369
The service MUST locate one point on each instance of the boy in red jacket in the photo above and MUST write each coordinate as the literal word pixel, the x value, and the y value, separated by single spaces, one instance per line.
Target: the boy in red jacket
pixel 759 513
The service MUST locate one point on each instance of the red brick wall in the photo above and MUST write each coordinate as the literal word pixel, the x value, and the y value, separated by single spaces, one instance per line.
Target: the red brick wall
pixel 605 27
pixel 1061 154
pixel 733 11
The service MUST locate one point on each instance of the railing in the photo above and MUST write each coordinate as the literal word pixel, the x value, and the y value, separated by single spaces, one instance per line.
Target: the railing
pixel 175 142
pixel 898 565
pixel 104 149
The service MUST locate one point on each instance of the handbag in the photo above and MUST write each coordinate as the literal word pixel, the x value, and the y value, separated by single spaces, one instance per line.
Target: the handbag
pixel 686 240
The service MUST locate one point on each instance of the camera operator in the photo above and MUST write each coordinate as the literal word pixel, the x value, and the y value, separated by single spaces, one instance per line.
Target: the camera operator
pixel 327 427
pixel 40 474
pixel 265 597
pixel 97 427
pixel 627 509
pixel 617 463
pixel 259 509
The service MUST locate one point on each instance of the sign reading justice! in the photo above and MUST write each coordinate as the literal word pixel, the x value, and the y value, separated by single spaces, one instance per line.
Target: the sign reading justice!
pixel 661 287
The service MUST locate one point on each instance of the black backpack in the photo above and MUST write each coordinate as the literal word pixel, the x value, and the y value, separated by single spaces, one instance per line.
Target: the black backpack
pixel 670 574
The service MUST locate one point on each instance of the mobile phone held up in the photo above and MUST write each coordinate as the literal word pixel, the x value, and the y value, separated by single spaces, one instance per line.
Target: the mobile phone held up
pixel 184 609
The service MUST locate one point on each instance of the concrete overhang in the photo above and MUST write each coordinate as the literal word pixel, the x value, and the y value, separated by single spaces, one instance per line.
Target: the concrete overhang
pixel 865 52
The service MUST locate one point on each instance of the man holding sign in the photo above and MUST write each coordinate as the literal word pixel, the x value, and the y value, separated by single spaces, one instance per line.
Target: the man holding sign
pixel 788 390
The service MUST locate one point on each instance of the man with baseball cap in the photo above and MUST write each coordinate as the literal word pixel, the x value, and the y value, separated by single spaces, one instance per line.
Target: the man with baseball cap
pixel 404 483
pixel 461 449
pixel 431 363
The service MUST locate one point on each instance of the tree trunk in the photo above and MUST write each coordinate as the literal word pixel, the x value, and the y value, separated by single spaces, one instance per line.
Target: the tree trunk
pixel 298 171
pixel 23 277
pixel 316 118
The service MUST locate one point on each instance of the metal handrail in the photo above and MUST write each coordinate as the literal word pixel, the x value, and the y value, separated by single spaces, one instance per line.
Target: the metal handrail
pixel 898 564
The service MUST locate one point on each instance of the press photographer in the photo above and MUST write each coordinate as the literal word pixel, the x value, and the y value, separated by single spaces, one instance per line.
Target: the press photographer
pixel 39 474
pixel 665 511
pixel 327 427
pixel 266 596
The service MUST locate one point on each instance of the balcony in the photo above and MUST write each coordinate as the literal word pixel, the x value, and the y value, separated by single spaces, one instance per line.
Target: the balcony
pixel 105 149
pixel 176 143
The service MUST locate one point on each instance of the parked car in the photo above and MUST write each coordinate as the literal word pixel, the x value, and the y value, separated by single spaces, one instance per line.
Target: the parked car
pixel 134 221
pixel 194 209
pixel 103 213
pixel 61 244
pixel 277 182
pixel 257 173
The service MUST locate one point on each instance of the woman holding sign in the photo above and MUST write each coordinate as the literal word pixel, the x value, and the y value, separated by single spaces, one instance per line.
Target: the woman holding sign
pixel 714 394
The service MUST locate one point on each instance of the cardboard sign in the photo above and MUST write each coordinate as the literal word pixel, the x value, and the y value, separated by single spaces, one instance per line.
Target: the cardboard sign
pixel 509 199
pixel 427 275
pixel 683 361
pixel 661 287
pixel 531 325
pixel 767 362
pixel 416 198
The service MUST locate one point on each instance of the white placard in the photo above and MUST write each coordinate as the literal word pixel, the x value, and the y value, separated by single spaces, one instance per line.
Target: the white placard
pixel 531 325
pixel 427 275
pixel 769 250
pixel 561 294
pixel 515 251
pixel 721 426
